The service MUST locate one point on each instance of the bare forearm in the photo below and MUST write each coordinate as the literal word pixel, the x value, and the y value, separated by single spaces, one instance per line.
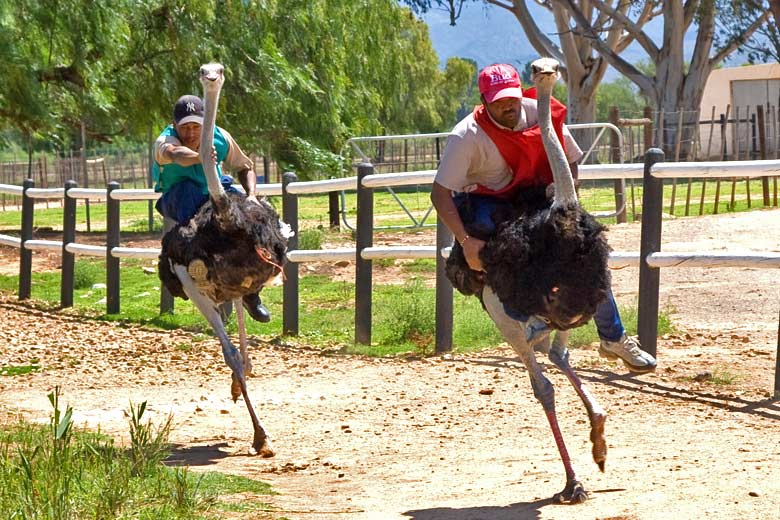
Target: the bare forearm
pixel 248 180
pixel 441 198
pixel 182 155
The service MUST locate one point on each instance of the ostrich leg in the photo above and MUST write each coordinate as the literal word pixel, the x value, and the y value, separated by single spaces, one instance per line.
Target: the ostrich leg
pixel 235 388
pixel 261 443
pixel 559 355
pixel 515 334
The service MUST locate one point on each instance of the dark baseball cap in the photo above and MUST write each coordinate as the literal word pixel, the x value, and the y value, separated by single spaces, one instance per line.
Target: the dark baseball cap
pixel 188 109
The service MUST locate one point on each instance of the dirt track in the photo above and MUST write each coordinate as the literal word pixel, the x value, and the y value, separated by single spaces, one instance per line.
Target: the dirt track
pixel 457 437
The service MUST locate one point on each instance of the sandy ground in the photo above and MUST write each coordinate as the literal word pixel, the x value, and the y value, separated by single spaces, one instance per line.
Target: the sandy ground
pixel 455 436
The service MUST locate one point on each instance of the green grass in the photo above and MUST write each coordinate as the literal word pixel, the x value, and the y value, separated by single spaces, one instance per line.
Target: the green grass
pixel 56 471
pixel 19 370
pixel 403 315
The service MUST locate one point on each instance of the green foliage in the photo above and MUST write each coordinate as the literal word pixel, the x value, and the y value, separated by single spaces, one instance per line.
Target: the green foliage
pixel 302 77
pixel 18 370
pixel 86 274
pixel 311 238
pixel 148 444
pixel 58 472
pixel 619 93
pixel 411 313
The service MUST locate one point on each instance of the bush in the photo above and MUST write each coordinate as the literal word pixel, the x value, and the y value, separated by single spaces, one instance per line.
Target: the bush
pixel 311 238
pixel 86 274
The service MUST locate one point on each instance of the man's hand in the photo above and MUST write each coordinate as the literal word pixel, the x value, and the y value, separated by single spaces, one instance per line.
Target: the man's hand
pixel 471 248
pixel 253 198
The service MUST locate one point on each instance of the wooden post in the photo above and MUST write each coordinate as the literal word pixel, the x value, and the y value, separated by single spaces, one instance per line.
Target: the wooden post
pixel 364 238
pixel 166 298
pixel 333 210
pixel 112 241
pixel 25 255
pixel 85 169
pixel 678 141
pixel 617 158
pixel 649 278
pixel 290 324
pixel 444 320
pixel 68 237
pixel 647 133
pixel 762 151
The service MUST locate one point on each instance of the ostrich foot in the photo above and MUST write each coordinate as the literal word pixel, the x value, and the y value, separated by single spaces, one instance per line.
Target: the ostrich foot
pixel 597 438
pixel 261 445
pixel 573 493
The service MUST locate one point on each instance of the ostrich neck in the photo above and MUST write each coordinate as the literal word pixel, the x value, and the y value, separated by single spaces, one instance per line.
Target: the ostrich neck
pixel 562 178
pixel 211 100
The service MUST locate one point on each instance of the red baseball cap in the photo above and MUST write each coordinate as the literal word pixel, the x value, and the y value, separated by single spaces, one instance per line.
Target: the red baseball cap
pixel 499 81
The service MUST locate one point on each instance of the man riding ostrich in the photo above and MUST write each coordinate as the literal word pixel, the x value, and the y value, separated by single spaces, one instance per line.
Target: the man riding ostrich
pixel 229 249
pixel 535 264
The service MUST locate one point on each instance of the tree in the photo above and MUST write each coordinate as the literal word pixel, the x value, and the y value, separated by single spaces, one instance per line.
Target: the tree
pixel 607 27
pixel 303 76
pixel 673 88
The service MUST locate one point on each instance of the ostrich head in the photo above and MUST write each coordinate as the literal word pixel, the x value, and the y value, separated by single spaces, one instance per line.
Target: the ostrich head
pixel 212 77
pixel 544 74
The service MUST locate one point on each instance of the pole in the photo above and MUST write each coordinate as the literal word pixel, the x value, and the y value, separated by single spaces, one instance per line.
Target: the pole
pixel 68 237
pixel 364 238
pixel 290 325
pixel 649 278
pixel 112 241
pixel 25 255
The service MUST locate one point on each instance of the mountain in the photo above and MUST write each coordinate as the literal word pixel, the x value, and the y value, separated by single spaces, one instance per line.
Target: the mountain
pixel 489 34
pixel 484 33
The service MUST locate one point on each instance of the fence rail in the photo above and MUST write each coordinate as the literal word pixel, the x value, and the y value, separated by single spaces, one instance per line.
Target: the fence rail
pixel 653 171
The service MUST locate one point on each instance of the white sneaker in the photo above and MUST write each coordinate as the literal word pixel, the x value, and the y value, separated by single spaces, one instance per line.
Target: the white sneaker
pixel 628 349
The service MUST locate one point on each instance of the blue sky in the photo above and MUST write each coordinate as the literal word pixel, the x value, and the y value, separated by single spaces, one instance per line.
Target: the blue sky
pixel 489 34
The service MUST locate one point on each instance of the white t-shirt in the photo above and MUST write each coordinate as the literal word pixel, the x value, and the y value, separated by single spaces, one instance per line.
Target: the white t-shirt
pixel 471 157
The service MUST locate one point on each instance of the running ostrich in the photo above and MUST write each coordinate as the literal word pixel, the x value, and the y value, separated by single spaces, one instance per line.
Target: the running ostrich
pixel 230 248
pixel 547 260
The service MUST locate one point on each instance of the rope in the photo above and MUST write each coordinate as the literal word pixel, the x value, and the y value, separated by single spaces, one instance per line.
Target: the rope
pixel 265 256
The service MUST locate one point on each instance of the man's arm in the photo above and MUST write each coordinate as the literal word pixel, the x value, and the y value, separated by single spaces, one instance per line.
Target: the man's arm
pixel 179 154
pixel 441 198
pixel 248 180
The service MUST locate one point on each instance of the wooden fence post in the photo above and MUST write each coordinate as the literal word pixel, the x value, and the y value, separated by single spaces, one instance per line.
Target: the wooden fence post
pixel 333 210
pixel 762 152
pixel 617 158
pixel 166 298
pixel 290 325
pixel 649 278
pixel 25 255
pixel 68 237
pixel 444 304
pixel 364 238
pixel 112 241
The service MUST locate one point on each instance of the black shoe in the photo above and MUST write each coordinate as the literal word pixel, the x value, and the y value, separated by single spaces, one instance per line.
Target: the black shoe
pixel 256 309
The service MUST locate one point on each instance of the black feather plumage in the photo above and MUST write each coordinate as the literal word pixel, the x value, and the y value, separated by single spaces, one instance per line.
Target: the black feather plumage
pixel 241 246
pixel 542 261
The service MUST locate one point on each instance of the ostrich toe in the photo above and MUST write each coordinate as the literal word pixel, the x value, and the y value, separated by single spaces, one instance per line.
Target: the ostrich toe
pixel 235 388
pixel 573 493
pixel 597 438
pixel 261 445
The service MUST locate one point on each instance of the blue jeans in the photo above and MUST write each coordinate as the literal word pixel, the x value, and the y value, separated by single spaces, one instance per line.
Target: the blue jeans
pixel 480 210
pixel 185 198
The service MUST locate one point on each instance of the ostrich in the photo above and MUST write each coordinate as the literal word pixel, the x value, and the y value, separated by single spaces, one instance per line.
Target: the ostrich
pixel 547 260
pixel 230 248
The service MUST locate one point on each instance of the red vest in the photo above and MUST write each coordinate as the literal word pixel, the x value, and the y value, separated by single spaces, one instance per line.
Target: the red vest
pixel 522 150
